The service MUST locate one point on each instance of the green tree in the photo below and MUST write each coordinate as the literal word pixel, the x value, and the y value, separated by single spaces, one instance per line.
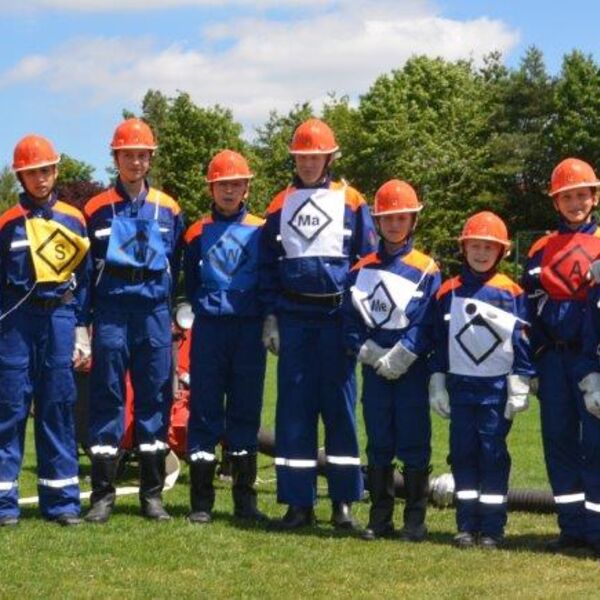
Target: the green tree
pixel 71 169
pixel 9 188
pixel 425 124
pixel 575 130
pixel 519 106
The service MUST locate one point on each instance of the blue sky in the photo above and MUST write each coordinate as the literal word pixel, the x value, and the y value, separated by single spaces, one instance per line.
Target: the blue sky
pixel 69 67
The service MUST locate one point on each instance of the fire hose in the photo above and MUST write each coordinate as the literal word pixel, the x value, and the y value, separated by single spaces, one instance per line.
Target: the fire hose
pixel 441 488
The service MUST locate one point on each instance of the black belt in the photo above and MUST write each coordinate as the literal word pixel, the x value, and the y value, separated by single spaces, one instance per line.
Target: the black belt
pixel 560 346
pixel 332 300
pixel 13 297
pixel 130 274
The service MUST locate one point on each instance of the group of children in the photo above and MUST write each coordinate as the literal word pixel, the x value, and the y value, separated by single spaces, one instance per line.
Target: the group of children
pixel 311 283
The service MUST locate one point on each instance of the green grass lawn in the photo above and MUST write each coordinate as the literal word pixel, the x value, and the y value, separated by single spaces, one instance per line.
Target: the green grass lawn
pixel 131 558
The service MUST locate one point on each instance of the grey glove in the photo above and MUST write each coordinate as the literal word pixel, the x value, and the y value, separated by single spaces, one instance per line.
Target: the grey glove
pixel 395 362
pixel 270 334
pixel 518 390
pixel 439 401
pixel 594 272
pixel 590 386
pixel 370 352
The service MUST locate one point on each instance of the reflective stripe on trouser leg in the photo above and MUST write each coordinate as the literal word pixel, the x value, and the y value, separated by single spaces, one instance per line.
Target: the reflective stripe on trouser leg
pixel 494 468
pixel 296 415
pixel 337 404
pixel 590 434
pixel 561 407
pixel 464 463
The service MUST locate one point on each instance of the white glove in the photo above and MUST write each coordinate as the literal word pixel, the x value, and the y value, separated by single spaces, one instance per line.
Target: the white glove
pixel 370 353
pixel 594 272
pixel 395 362
pixel 83 348
pixel 518 390
pixel 439 401
pixel 270 334
pixel 590 386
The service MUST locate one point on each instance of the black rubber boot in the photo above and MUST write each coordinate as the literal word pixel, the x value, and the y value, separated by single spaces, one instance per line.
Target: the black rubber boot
pixel 152 480
pixel 341 516
pixel 104 472
pixel 381 490
pixel 202 491
pixel 295 518
pixel 416 484
pixel 243 474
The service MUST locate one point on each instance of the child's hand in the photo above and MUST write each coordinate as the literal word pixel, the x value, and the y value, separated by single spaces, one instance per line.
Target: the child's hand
pixel 370 353
pixel 395 362
pixel 590 386
pixel 439 401
pixel 518 389
pixel 270 334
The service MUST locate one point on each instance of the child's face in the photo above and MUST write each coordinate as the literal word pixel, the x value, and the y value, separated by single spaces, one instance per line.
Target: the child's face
pixel 133 164
pixel 229 194
pixel 38 183
pixel 576 205
pixel 481 255
pixel 395 228
pixel 310 167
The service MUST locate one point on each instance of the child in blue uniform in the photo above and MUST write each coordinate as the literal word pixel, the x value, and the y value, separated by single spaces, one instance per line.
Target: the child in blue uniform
pixel 557 283
pixel 136 234
pixel 388 325
pixel 227 355
pixel 481 371
pixel 315 230
pixel 44 277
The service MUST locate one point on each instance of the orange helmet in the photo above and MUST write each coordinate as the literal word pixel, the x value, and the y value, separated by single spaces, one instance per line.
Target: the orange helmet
pixel 227 165
pixel 313 137
pixel 485 226
pixel 133 133
pixel 572 173
pixel 34 151
pixel 395 197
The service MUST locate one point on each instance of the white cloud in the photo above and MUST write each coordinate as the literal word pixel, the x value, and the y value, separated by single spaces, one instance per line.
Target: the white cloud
pixel 265 64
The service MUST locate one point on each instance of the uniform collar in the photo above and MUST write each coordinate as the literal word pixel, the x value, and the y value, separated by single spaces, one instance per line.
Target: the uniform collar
pixel 236 217
pixel 139 200
pixel 589 228
pixel 385 256
pixel 43 210
pixel 470 277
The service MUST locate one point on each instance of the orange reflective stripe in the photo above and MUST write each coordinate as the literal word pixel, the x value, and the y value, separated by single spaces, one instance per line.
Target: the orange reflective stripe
pixel 448 286
pixel 195 229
